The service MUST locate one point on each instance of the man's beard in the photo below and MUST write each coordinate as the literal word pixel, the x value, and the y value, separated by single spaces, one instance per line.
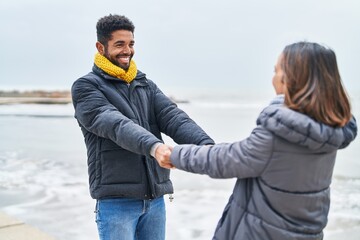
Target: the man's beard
pixel 115 62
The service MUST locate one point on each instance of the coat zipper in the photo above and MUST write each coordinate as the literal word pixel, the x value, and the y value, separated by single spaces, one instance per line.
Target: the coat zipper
pixel 150 176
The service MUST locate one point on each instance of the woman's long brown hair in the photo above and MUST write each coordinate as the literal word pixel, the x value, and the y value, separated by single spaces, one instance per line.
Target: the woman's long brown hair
pixel 313 83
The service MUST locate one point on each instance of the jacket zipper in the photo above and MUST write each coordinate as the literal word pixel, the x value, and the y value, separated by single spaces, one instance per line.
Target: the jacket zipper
pixel 150 176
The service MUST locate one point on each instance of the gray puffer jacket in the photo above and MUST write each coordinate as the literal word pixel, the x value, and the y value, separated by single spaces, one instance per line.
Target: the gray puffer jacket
pixel 284 170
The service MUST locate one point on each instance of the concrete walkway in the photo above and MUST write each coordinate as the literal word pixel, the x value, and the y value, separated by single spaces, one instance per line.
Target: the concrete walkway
pixel 13 229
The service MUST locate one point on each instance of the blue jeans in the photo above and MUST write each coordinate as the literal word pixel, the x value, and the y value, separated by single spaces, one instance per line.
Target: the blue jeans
pixel 129 219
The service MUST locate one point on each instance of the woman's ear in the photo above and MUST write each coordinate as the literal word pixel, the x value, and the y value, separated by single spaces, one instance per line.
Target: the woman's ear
pixel 100 47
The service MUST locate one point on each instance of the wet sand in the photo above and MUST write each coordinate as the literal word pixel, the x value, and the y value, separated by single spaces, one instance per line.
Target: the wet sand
pixel 14 229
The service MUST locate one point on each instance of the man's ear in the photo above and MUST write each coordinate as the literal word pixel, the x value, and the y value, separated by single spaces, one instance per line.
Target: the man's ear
pixel 100 47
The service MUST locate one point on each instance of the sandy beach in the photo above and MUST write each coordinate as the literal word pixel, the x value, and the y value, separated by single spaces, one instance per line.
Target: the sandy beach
pixel 14 229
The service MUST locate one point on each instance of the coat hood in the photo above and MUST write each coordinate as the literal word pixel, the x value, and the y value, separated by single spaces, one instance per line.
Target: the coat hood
pixel 300 129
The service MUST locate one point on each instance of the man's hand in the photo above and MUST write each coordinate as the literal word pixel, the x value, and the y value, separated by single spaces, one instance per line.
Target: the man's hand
pixel 162 156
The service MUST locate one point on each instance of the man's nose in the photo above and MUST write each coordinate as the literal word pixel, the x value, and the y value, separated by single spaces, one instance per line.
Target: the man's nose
pixel 127 50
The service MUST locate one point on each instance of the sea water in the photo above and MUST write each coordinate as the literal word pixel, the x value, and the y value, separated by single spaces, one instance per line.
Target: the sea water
pixel 44 182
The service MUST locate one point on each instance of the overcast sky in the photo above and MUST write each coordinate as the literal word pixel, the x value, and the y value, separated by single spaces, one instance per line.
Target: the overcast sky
pixel 227 44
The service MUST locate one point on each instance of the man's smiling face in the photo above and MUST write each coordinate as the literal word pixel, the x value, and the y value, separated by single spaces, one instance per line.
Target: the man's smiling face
pixel 120 48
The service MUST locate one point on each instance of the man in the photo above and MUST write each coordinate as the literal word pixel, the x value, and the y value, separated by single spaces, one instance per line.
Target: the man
pixel 122 114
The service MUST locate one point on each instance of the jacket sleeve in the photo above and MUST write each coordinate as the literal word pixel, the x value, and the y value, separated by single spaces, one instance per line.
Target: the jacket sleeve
pixel 98 116
pixel 244 159
pixel 175 123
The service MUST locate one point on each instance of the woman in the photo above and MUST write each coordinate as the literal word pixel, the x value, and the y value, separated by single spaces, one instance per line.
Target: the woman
pixel 284 167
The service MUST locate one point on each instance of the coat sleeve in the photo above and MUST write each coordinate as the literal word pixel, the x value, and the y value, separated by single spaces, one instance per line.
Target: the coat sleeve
pixel 97 115
pixel 243 159
pixel 175 123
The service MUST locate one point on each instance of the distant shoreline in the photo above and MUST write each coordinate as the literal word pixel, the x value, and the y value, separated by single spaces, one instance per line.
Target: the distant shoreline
pixel 35 97
pixel 46 97
pixel 34 100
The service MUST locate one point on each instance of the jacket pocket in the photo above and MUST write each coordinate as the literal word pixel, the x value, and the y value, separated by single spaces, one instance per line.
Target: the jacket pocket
pixel 119 166
pixel 161 174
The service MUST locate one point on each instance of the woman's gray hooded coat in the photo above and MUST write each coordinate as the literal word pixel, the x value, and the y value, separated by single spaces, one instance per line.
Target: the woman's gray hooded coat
pixel 284 170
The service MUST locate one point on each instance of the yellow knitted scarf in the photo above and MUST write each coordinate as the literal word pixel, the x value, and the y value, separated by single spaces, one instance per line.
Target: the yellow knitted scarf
pixel 104 64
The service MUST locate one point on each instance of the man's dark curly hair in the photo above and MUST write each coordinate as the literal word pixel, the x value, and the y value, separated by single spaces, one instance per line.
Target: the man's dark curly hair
pixel 108 24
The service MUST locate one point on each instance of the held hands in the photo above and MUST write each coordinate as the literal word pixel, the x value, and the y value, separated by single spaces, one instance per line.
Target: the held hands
pixel 162 156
